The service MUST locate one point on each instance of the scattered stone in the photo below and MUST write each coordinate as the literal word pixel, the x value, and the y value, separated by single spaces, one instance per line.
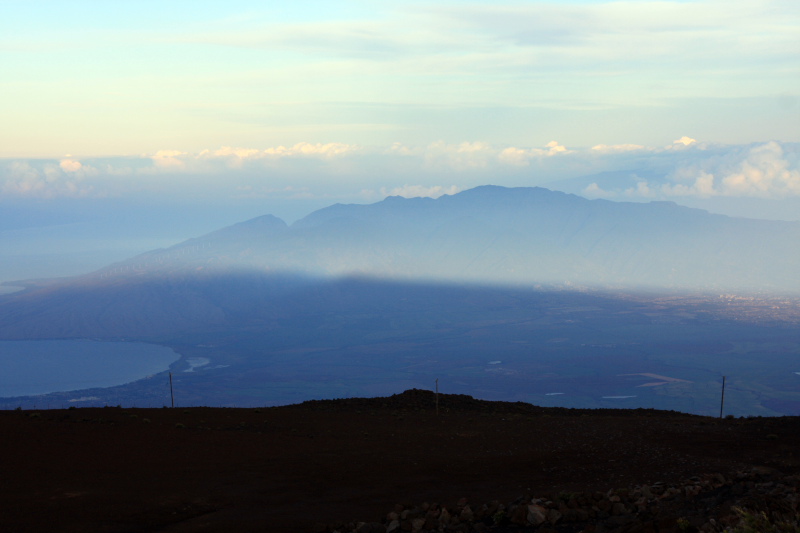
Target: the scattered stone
pixel 536 514
pixel 553 516
pixel 702 504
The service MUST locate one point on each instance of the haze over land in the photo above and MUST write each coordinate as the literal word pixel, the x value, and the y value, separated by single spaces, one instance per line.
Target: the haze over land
pixel 269 183
pixel 495 235
pixel 515 294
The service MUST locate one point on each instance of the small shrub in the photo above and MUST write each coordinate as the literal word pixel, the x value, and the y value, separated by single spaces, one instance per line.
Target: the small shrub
pixel 772 436
pixel 754 522
pixel 180 426
pixel 499 518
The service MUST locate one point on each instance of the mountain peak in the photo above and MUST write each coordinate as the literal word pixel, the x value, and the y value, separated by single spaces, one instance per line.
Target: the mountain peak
pixel 492 234
pixel 262 225
pixel 264 222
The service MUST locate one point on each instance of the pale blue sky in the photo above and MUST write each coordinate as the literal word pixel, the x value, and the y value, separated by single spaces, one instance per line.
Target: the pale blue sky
pixel 130 125
pixel 98 78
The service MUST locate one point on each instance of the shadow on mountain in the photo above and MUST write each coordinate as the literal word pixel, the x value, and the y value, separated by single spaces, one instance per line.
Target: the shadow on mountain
pixel 510 294
pixel 182 303
pixel 257 339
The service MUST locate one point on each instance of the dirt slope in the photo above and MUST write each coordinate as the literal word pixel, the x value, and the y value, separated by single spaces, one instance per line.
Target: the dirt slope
pixel 298 468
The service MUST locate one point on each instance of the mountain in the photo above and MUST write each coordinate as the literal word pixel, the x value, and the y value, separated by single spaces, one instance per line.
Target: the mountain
pixel 499 235
pixel 488 235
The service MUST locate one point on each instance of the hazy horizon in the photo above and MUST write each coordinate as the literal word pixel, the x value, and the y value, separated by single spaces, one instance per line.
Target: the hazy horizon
pixel 50 239
pixel 124 131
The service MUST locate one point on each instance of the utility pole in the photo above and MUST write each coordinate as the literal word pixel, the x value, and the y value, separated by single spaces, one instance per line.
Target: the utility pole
pixel 437 396
pixel 172 394
pixel 722 401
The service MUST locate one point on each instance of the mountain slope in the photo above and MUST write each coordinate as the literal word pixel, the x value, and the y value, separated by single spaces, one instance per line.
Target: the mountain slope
pixel 489 235
pixel 497 235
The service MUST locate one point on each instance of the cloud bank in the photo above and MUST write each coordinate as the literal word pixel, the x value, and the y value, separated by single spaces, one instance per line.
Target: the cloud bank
pixel 685 169
pixel 764 170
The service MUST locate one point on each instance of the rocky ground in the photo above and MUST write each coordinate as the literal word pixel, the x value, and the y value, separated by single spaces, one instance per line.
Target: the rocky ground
pixel 393 464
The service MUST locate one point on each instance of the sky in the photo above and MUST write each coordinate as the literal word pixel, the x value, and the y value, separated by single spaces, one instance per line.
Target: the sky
pixel 130 125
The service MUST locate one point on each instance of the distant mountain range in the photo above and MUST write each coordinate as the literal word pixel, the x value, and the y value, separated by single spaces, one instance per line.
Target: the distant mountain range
pixel 499 235
pixel 488 235
pixel 502 235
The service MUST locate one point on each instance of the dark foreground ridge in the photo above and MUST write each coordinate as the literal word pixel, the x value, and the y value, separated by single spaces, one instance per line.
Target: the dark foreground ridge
pixel 393 464
pixel 422 400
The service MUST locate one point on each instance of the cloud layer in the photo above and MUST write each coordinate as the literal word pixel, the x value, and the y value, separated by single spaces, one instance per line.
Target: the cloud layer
pixel 684 169
pixel 764 170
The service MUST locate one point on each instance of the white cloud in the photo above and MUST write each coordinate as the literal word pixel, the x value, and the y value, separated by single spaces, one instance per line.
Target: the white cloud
pixel 686 141
pixel 313 150
pixel 463 156
pixel 420 191
pixel 616 148
pixel 398 148
pixel 233 157
pixel 239 157
pixel 631 171
pixel 702 185
pixel 642 190
pixel 522 156
pixel 227 151
pixel 169 159
pixel 301 149
pixel 70 165
pixel 764 170
pixel 515 156
pixel 23 179
pixel 593 190
pixel 458 157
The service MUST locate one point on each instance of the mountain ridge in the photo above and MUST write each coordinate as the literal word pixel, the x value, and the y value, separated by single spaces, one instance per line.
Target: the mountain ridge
pixel 490 235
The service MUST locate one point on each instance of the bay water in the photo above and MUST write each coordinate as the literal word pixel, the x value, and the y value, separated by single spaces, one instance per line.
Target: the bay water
pixel 30 368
